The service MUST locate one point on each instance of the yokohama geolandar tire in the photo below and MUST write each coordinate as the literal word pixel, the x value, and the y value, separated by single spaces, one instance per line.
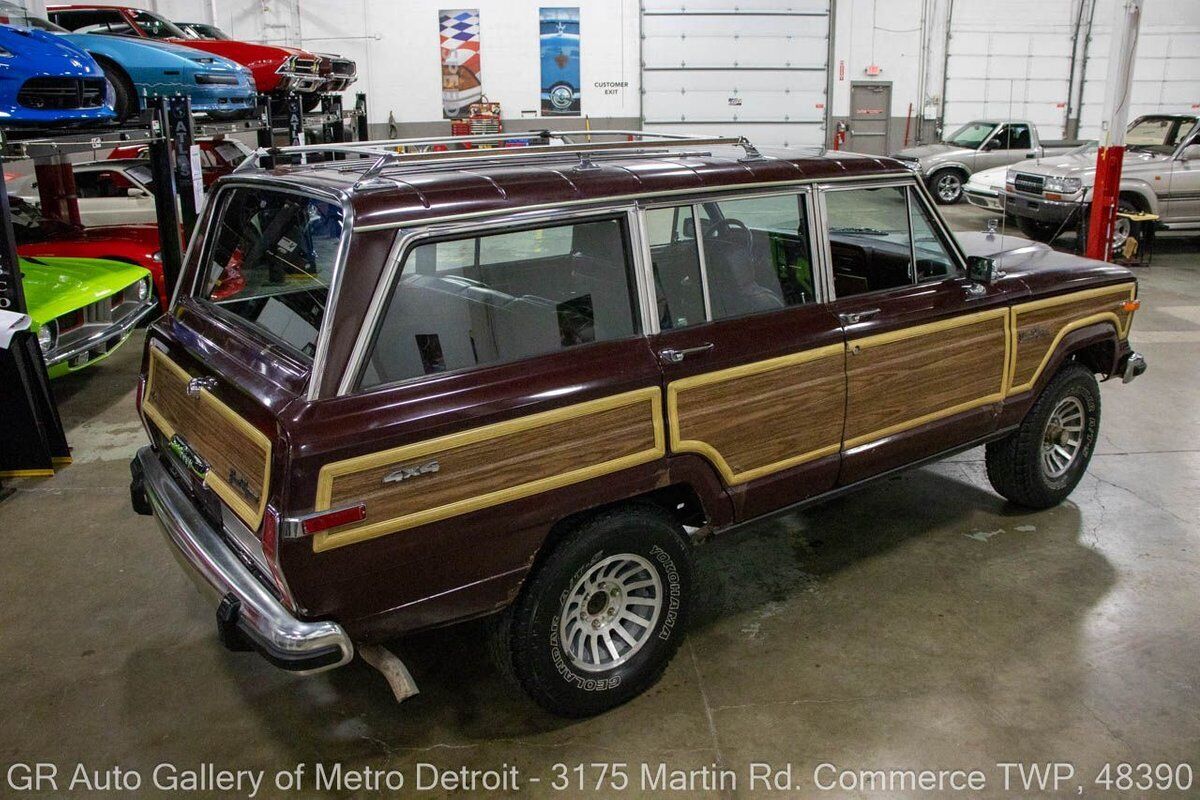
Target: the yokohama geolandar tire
pixel 598 621
pixel 1041 462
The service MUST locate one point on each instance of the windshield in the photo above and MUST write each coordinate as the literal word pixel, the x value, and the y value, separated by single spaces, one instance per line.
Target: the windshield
pixel 197 30
pixel 45 25
pixel 971 135
pixel 155 26
pixel 271 262
pixel 1158 134
pixel 31 227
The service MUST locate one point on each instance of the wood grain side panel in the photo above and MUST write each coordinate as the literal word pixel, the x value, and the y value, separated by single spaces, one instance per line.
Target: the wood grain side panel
pixel 1042 324
pixel 215 432
pixel 764 417
pixel 916 375
pixel 493 464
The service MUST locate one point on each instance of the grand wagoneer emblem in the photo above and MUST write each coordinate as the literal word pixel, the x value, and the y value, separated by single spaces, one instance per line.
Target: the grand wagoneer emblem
pixel 404 473
pixel 240 483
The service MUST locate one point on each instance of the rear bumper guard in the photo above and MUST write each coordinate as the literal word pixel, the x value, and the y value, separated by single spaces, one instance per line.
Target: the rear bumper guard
pixel 247 614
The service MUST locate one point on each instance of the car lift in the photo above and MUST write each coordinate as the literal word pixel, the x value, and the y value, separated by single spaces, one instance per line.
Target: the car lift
pixel 32 441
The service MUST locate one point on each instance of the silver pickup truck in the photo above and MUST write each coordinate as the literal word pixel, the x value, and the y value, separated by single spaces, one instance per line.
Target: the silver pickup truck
pixel 1160 175
pixel 981 144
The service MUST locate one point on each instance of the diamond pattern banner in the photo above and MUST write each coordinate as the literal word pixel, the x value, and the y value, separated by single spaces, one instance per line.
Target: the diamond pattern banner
pixel 462 82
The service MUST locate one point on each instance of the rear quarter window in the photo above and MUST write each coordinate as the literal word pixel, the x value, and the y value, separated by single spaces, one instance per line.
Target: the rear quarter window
pixel 270 260
pixel 500 297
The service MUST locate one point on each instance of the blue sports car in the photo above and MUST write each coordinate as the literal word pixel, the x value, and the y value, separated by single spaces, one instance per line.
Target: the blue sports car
pixel 141 68
pixel 45 80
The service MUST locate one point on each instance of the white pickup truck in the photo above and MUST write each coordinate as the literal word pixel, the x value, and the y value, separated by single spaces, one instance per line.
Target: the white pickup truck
pixel 978 145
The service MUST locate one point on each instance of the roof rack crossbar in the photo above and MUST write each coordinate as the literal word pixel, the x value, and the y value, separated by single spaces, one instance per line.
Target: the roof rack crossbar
pixel 394 152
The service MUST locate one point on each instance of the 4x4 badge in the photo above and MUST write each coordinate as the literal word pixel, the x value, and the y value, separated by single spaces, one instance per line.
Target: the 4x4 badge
pixel 404 473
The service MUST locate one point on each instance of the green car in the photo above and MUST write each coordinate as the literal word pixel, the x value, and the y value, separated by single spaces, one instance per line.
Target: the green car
pixel 83 308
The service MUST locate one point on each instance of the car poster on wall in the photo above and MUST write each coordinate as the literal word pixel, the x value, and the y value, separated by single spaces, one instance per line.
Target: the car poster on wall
pixel 560 61
pixel 462 83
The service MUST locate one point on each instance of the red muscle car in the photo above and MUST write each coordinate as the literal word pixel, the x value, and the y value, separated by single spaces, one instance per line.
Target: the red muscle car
pixel 218 156
pixel 276 69
pixel 134 244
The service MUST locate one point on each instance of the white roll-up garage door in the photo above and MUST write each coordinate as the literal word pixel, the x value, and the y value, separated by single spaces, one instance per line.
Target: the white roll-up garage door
pixel 1010 60
pixel 759 69
pixel 1166 75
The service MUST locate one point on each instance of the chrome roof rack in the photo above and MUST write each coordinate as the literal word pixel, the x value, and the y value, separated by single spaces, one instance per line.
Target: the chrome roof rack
pixel 432 150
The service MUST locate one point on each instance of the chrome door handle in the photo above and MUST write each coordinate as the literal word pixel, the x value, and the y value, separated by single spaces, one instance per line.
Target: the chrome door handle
pixel 858 316
pixel 672 356
pixel 196 384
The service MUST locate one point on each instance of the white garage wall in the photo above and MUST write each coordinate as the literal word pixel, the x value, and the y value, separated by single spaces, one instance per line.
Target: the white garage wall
pixel 395 43
pixel 1014 65
pixel 999 49
pixel 1166 75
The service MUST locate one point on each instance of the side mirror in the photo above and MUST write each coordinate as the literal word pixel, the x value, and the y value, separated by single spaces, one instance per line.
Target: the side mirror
pixel 134 191
pixel 993 144
pixel 689 227
pixel 1190 153
pixel 981 269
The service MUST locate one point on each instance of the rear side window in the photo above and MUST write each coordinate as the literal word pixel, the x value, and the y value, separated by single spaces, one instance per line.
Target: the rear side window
pixel 270 261
pixel 495 298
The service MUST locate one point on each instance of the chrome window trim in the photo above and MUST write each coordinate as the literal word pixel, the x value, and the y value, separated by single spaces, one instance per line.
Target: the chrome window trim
pixel 953 249
pixel 634 197
pixel 211 208
pixel 647 294
pixel 405 241
pixel 703 262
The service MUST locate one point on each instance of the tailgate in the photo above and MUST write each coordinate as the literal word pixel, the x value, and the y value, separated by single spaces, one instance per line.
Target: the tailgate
pixel 220 447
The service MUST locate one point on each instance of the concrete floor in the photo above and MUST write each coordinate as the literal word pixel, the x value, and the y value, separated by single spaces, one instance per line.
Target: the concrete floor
pixel 920 624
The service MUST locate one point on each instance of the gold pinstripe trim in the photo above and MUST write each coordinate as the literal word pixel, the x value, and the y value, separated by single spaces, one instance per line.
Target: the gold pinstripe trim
pixel 681 445
pixel 1129 290
pixel 332 539
pixel 866 342
pixel 249 514
pixel 26 473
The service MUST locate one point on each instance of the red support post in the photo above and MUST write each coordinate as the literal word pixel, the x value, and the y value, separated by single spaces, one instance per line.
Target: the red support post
pixel 1103 214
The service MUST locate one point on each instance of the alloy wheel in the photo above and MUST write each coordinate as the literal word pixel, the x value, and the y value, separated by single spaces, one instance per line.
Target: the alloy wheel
pixel 1062 440
pixel 610 612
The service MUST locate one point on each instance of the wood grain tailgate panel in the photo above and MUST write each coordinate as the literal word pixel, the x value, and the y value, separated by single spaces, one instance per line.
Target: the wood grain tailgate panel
pixel 763 417
pixel 903 379
pixel 215 432
pixel 1040 325
pixel 493 464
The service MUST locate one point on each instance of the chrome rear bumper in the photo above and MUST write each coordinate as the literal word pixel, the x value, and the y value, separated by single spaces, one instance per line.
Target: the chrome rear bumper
pixel 245 606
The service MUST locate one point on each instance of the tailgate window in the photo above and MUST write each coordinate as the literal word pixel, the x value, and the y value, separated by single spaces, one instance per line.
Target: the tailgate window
pixel 270 261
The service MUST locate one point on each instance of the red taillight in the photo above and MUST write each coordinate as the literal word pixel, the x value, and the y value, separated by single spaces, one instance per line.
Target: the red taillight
pixel 324 520
pixel 270 547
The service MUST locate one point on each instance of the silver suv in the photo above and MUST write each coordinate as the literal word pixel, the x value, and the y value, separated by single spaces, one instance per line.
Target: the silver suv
pixel 1160 175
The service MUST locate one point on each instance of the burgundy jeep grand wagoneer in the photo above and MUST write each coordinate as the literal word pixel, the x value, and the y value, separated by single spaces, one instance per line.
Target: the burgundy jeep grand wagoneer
pixel 407 387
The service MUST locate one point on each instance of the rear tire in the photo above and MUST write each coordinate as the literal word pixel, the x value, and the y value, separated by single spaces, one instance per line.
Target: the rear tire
pixel 560 639
pixel 1039 464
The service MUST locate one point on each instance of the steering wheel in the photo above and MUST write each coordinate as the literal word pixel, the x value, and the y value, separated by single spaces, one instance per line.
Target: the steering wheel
pixel 734 231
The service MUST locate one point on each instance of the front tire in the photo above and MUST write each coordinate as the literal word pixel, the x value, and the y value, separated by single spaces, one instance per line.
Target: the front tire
pixel 947 186
pixel 124 96
pixel 1039 464
pixel 599 620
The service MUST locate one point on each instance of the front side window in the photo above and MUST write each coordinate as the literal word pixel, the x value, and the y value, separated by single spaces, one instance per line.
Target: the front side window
pixel 270 261
pixel 102 183
pixel 757 258
pixel 876 236
pixel 496 298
